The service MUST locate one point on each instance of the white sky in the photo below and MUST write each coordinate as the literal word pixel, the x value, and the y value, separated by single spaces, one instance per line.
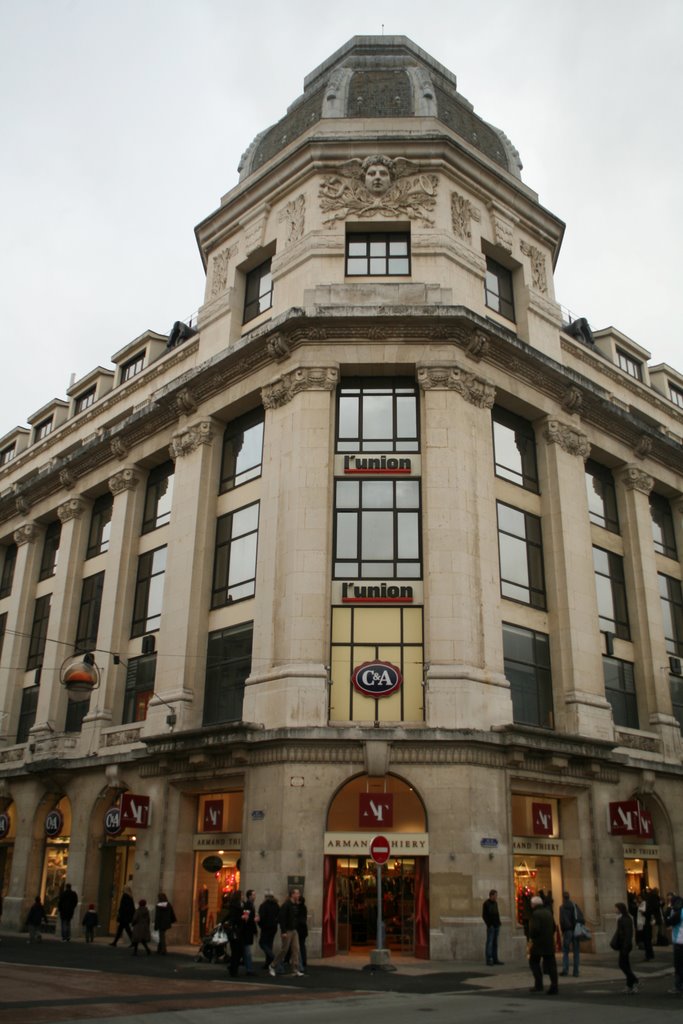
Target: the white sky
pixel 122 124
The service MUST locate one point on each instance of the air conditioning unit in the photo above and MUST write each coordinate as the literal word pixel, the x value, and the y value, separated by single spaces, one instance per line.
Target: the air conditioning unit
pixel 675 666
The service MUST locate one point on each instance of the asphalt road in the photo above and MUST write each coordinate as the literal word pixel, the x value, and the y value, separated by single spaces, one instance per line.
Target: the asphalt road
pixel 66 983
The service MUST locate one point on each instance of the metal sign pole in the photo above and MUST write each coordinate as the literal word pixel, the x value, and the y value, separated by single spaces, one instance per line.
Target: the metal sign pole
pixel 380 944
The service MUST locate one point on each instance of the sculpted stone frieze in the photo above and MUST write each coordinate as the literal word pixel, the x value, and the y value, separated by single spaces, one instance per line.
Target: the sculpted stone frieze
pixel 477 345
pixel 572 400
pixel 635 479
pixel 71 509
pixel 219 276
pixel 125 480
pixel 278 347
pixel 569 439
pixel 502 223
pixel 188 440
pixel 294 216
pixel 539 280
pixel 118 448
pixel 462 215
pixel 26 534
pixel 305 378
pixel 378 186
pixel 473 389
pixel 643 448
pixel 67 479
pixel 186 402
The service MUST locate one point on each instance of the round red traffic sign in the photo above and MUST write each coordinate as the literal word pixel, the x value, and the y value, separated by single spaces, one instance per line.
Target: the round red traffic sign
pixel 380 849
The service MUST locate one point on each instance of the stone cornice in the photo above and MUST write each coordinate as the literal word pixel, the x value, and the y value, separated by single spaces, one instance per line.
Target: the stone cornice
pixel 305 378
pixel 567 437
pixel 473 389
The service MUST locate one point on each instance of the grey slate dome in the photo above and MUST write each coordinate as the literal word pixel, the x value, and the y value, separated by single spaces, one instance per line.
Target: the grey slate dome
pixel 381 76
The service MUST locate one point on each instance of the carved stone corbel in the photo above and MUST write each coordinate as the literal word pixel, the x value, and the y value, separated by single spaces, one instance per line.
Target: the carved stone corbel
pixel 71 509
pixel 305 378
pixel 26 534
pixel 644 447
pixel 278 347
pixel 188 440
pixel 473 389
pixel 118 449
pixel 635 479
pixel 125 480
pixel 568 438
pixel 186 402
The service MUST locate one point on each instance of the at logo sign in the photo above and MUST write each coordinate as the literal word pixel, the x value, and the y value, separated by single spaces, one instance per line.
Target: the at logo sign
pixel 377 678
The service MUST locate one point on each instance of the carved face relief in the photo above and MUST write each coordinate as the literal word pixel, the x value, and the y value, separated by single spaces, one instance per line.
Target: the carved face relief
pixel 377 179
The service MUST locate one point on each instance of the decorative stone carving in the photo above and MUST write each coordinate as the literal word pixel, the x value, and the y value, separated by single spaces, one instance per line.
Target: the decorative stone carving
pixel 477 345
pixel 254 233
pixel 294 215
pixel 219 275
pixel 424 92
pixel 26 534
pixel 71 509
pixel 188 440
pixel 635 479
pixel 473 389
pixel 118 448
pixel 67 479
pixel 378 186
pixel 462 215
pixel 572 400
pixel 539 280
pixel 23 506
pixel 305 378
pixel 125 480
pixel 569 439
pixel 278 347
pixel 186 402
pixel 502 228
pixel 644 447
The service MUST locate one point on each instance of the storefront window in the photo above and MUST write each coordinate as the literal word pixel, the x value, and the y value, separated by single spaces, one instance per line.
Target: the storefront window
pixel 7 834
pixel 537 848
pixel 56 857
pixel 217 851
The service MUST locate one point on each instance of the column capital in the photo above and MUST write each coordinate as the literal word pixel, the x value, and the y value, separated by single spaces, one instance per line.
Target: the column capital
pixel 71 509
pixel 125 480
pixel 188 439
pixel 26 534
pixel 567 437
pixel 305 378
pixel 450 377
pixel 635 479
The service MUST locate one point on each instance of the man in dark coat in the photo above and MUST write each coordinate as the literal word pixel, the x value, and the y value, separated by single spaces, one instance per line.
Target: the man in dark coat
pixel 491 918
pixel 268 917
pixel 66 908
pixel 542 939
pixel 125 915
pixel 164 917
pixel 289 917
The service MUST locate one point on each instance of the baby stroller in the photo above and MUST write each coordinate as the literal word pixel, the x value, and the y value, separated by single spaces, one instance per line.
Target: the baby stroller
pixel 214 946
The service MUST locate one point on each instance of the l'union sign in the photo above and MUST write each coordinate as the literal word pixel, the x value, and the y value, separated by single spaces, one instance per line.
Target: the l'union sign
pixel 377 678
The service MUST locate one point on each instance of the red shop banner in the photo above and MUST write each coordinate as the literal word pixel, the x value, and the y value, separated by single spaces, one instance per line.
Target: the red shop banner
pixel 542 819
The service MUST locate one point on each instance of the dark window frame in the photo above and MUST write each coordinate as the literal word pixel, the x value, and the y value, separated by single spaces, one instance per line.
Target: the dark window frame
pixel 100 525
pixel 671 598
pixel 89 612
pixel 618 622
pixel 355 398
pixel 529 674
pixel 622 697
pixel 602 496
pixel 27 712
pixel 629 364
pixel 139 688
pixel 8 566
pixel 158 495
pixel 84 400
pixel 226 673
pixel 663 530
pixel 377 256
pixel 238 439
pixel 50 556
pixel 499 292
pixel 76 710
pixel 132 367
pixel 38 638
pixel 532 540
pixel 43 429
pixel 258 290
pixel 676 687
pixel 8 453
pixel 676 395
pixel 3 627
pixel 525 473
pixel 367 567
pixel 228 550
pixel 144 622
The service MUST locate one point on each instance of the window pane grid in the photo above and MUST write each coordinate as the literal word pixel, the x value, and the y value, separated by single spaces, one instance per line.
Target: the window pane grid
pixel 521 556
pixel 234 575
pixel 36 647
pixel 228 665
pixel 380 537
pixel 527 667
pixel 514 449
pixel 149 592
pixel 376 418
pixel 620 691
pixel 100 526
pixel 379 254
pixel 159 497
pixel 498 289
pixel 602 498
pixel 258 295
pixel 611 593
pixel 242 455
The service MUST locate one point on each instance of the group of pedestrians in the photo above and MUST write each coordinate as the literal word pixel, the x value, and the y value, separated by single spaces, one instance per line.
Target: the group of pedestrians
pixel 137 922
pixel 242 921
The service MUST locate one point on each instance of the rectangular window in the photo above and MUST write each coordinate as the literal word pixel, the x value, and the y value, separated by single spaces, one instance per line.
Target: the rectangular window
pixel 377 529
pixel 8 566
pixel 242 450
pixel 620 691
pixel 76 710
pixel 633 367
pixel 89 613
pixel 514 449
pixel 380 254
pixel 258 295
pixel 234 570
pixel 84 401
pixel 663 532
pixel 48 564
pixel 521 556
pixel 374 416
pixel 526 656
pixel 611 591
pixel 7 454
pixel 602 496
pixel 677 698
pixel 3 627
pixel 159 497
pixel 43 428
pixel 149 592
pixel 228 664
pixel 27 713
pixel 100 525
pixel 676 395
pixel 140 676
pixel 498 289
pixel 36 647
pixel 671 596
pixel 133 367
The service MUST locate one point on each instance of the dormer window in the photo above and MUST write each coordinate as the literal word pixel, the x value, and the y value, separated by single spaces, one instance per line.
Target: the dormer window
pixel 133 367
pixel 676 395
pixel 633 367
pixel 43 428
pixel 7 454
pixel 84 401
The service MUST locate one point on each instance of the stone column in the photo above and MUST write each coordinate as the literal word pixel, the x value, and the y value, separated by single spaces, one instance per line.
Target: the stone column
pixel 66 593
pixel 190 536
pixel 28 539
pixel 464 682
pixel 117 602
pixel 645 611
pixel 288 683
pixel 578 682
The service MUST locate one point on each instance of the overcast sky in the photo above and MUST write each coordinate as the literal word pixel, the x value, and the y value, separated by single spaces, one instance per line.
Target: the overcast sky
pixel 123 122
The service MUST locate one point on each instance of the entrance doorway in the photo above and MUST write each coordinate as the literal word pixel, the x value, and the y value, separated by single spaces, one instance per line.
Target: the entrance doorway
pixel 357 904
pixel 116 871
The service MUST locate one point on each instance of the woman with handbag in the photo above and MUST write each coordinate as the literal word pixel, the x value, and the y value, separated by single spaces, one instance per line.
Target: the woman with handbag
pixel 622 942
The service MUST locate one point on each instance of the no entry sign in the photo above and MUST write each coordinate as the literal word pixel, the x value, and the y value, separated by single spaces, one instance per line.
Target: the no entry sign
pixel 380 849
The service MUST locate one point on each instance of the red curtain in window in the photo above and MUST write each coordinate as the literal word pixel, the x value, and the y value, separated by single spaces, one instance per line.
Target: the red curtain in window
pixel 422 907
pixel 329 906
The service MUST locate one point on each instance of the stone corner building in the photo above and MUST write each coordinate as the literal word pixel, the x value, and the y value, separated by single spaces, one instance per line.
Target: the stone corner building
pixel 382 544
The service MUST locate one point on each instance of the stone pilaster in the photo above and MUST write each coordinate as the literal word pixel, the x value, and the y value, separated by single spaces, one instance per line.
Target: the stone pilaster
pixel 28 539
pixel 578 683
pixel 645 611
pixel 465 684
pixel 288 687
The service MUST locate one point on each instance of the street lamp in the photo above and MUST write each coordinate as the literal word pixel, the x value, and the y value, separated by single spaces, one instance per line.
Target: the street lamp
pixel 79 675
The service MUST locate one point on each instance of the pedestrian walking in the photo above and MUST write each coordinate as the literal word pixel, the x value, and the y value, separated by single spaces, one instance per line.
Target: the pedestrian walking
pixel 289 936
pixel 490 914
pixel 164 917
pixel 141 928
pixel 570 915
pixel 248 930
pixel 203 909
pixel 673 918
pixel 542 946
pixel 234 927
pixel 268 917
pixel 622 942
pixel 90 922
pixel 302 931
pixel 66 908
pixel 35 920
pixel 124 915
